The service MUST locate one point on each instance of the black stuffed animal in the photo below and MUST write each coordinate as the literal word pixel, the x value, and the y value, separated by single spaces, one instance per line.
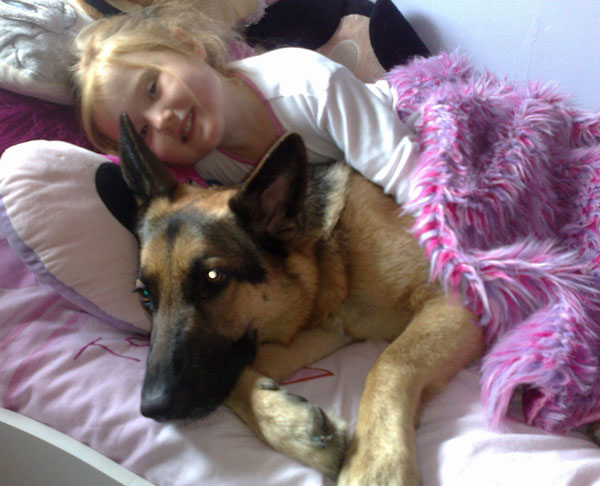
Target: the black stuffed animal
pixel 369 38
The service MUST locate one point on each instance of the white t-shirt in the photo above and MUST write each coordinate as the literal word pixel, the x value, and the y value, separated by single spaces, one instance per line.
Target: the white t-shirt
pixel 338 116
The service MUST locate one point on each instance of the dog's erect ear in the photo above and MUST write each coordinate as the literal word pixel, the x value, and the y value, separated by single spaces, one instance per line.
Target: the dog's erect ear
pixel 271 201
pixel 146 176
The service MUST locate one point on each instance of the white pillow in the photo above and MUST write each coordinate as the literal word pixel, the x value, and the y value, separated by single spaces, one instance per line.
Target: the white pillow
pixel 57 224
pixel 34 46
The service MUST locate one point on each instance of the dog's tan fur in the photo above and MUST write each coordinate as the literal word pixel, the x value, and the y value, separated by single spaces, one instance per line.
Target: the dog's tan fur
pixel 350 273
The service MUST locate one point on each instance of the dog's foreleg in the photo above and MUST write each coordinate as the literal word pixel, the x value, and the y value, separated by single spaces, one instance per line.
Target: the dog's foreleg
pixel 440 340
pixel 287 422
pixel 279 361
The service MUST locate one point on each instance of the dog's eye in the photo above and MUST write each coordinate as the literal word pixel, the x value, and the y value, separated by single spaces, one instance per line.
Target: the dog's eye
pixel 216 276
pixel 145 296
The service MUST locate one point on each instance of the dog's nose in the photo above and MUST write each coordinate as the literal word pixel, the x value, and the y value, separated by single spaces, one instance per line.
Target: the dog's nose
pixel 156 404
pixel 192 384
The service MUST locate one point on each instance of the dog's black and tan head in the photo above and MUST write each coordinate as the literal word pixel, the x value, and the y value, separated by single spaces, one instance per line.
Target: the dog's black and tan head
pixel 216 274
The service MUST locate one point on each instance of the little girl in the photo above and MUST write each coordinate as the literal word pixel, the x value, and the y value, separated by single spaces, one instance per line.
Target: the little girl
pixel 168 67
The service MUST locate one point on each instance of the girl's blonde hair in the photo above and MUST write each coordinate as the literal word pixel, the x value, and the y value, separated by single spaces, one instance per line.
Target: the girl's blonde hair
pixel 104 43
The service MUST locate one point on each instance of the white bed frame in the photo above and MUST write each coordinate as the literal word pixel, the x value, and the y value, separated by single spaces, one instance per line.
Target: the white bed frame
pixel 33 454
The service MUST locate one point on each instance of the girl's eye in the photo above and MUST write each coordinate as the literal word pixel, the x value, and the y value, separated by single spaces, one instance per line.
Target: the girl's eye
pixel 144 131
pixel 152 89
pixel 216 276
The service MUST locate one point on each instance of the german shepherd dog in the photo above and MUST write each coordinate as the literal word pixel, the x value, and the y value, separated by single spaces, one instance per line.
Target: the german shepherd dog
pixel 247 284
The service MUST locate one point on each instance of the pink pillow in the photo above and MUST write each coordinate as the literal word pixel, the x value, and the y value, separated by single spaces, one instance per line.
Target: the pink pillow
pixel 57 224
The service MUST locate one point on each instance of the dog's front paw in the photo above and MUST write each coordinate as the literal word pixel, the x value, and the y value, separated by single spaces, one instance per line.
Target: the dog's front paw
pixel 377 470
pixel 379 454
pixel 300 429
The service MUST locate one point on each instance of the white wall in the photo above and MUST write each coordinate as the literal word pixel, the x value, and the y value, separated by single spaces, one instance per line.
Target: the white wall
pixel 521 39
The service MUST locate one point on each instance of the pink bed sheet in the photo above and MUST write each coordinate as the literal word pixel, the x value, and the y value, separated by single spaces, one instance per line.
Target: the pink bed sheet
pixel 73 372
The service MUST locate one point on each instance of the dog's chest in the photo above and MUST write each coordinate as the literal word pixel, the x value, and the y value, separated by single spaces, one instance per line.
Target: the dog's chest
pixel 387 272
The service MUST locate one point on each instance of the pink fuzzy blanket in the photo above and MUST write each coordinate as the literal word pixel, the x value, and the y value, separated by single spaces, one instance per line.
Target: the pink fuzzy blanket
pixel 507 204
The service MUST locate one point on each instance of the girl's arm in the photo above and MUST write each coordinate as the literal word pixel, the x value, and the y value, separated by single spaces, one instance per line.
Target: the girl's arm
pixel 369 132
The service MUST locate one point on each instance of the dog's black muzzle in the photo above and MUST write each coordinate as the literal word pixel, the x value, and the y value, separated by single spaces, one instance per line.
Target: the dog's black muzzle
pixel 190 378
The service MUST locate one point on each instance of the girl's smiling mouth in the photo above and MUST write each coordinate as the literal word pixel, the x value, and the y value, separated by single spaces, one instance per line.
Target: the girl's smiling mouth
pixel 188 125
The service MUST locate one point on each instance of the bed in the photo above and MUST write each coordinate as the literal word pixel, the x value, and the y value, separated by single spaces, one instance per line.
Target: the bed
pixel 73 339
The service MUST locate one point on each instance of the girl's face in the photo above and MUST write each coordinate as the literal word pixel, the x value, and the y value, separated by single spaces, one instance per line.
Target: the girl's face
pixel 178 109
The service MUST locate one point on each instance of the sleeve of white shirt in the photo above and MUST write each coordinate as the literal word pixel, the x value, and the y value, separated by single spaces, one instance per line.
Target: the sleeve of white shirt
pixel 367 129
